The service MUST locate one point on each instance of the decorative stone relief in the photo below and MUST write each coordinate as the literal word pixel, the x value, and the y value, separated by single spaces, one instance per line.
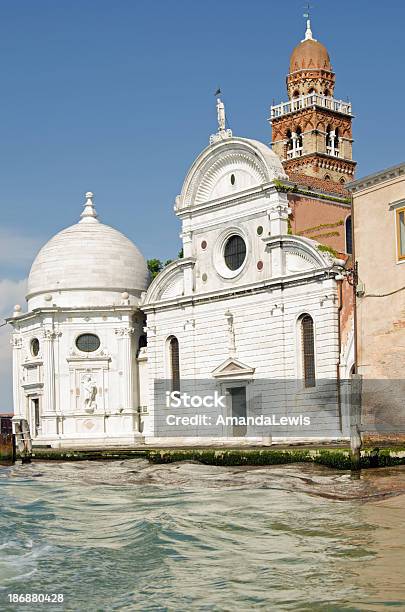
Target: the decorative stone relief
pixel 89 387
pixel 124 332
pixel 51 334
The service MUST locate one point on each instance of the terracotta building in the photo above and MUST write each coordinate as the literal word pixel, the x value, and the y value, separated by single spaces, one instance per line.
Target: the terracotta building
pixel 312 135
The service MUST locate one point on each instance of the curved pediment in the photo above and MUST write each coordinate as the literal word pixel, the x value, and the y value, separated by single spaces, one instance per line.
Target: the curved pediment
pixel 228 168
pixel 300 253
pixel 169 283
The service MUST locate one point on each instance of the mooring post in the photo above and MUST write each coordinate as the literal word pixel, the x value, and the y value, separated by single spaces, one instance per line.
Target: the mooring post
pixel 23 440
pixel 355 421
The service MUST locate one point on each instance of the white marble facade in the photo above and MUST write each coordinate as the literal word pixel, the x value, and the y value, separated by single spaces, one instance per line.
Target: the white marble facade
pixel 232 325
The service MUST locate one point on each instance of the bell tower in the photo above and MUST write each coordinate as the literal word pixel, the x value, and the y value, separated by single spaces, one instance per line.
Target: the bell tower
pixel 312 131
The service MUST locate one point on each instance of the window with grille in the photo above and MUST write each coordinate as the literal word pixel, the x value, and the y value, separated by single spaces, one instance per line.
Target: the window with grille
pixel 349 241
pixel 35 347
pixel 401 233
pixel 174 363
pixel 308 350
pixel 235 252
pixel 88 343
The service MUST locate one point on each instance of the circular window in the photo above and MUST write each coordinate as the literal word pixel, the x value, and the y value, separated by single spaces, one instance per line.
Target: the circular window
pixel 235 252
pixel 259 230
pixel 35 347
pixel 88 343
pixel 233 180
pixel 204 245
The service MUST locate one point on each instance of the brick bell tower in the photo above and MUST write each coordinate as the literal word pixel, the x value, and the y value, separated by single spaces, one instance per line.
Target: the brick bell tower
pixel 312 132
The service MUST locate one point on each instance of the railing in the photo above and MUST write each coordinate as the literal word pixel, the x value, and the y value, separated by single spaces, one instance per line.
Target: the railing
pixel 310 100
pixel 291 153
pixel 332 151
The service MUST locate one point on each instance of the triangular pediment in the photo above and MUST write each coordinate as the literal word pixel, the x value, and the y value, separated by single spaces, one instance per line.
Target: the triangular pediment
pixel 233 368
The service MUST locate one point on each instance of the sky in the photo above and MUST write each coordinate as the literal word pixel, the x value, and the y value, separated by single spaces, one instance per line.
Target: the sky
pixel 117 97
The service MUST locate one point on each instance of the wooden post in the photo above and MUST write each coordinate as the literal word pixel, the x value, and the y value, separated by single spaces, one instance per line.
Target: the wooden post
pixel 355 422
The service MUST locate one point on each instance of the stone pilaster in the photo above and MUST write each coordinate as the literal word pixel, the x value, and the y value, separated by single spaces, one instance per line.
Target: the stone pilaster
pixel 49 372
pixel 125 351
pixel 16 343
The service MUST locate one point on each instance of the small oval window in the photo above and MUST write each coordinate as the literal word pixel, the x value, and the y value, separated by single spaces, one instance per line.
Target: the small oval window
pixel 88 343
pixel 35 347
pixel 233 180
pixel 259 230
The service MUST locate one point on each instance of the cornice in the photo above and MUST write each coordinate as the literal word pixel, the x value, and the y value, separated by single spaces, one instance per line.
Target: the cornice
pixel 269 285
pixel 376 178
pixel 263 190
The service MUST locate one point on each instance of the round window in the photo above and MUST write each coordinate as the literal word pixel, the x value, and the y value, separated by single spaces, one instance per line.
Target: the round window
pixel 259 230
pixel 35 347
pixel 88 343
pixel 235 252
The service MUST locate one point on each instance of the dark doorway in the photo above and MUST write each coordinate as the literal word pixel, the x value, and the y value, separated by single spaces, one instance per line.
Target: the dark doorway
pixel 36 416
pixel 238 398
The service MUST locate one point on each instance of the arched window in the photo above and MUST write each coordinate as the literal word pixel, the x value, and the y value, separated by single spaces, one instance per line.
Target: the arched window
pixel 336 140
pixel 327 94
pixel 289 140
pixel 342 181
pixel 296 94
pixel 327 177
pixel 308 350
pixel 332 141
pixel 174 357
pixel 348 234
pixel 299 138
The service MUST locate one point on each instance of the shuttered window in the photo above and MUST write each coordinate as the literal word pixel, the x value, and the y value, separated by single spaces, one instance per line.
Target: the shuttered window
pixel 175 363
pixel 308 350
pixel 401 233
pixel 349 239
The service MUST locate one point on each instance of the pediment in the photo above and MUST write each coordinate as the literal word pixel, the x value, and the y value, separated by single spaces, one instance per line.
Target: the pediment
pixel 233 368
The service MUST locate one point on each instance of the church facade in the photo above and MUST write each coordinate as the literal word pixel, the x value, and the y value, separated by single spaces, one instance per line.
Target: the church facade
pixel 255 309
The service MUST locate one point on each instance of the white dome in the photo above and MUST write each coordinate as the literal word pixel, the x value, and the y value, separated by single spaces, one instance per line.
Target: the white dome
pixel 92 260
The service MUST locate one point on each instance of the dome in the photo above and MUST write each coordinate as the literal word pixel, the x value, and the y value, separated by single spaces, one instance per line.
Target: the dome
pixel 89 258
pixel 310 53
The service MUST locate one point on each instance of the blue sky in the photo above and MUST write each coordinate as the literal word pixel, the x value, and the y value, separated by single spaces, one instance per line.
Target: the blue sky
pixel 117 97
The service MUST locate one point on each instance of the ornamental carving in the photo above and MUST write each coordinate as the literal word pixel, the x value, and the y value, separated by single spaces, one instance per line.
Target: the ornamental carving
pixel 124 332
pixel 51 334
pixel 16 342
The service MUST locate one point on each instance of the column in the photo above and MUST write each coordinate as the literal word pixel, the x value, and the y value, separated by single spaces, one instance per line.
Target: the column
pixel 16 343
pixel 126 366
pixel 49 372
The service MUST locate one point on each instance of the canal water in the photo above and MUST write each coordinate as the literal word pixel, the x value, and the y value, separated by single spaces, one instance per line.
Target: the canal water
pixel 127 535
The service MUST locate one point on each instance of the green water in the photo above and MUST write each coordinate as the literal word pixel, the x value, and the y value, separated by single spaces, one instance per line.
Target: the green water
pixel 125 535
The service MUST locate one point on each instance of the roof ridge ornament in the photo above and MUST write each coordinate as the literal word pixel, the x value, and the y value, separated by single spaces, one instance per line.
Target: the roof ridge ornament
pixel 222 132
pixel 308 31
pixel 89 212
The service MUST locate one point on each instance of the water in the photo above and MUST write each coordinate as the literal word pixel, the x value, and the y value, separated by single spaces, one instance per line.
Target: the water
pixel 127 535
